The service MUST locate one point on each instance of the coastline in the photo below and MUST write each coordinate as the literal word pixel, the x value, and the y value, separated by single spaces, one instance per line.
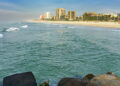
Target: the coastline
pixel 84 23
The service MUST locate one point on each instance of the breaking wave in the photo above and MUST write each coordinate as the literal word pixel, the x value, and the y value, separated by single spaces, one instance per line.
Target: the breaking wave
pixel 25 26
pixel 1 35
pixel 12 29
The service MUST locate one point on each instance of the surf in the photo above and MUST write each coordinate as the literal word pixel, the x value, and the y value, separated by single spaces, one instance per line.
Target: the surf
pixel 1 35
pixel 12 29
pixel 25 26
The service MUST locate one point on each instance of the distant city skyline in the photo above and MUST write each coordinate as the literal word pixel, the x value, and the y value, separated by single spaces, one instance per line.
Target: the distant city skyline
pixel 26 9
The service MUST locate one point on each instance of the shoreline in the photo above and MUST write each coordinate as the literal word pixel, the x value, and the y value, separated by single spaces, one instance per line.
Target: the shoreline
pixel 83 23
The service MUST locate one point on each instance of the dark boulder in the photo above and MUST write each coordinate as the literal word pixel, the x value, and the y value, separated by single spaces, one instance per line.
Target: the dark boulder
pixel 109 73
pixel 22 79
pixel 76 81
pixel 69 82
pixel 88 77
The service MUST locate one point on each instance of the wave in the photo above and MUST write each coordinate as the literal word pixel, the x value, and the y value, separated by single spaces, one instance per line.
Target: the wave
pixel 116 30
pixel 1 35
pixel 55 24
pixel 12 29
pixel 71 27
pixel 4 30
pixel 25 26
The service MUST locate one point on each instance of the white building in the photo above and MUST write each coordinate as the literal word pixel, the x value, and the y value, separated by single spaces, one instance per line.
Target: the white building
pixel 47 15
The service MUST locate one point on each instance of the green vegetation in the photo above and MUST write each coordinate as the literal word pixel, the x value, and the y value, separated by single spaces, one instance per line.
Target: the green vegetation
pixel 99 17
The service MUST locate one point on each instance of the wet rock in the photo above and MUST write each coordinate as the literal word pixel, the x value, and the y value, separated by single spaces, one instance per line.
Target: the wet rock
pixel 108 79
pixel 22 79
pixel 45 83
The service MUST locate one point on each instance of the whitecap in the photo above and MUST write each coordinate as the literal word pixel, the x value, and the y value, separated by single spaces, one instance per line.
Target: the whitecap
pixel 1 35
pixel 25 26
pixel 12 29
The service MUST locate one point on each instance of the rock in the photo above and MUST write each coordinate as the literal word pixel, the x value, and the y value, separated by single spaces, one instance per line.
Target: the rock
pixel 45 83
pixel 76 81
pixel 22 79
pixel 69 82
pixel 109 73
pixel 108 79
pixel 88 77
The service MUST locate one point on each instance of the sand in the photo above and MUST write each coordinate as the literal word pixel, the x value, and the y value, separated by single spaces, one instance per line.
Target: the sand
pixel 85 23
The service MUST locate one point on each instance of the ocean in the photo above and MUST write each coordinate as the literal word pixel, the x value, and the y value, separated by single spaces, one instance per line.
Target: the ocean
pixel 54 51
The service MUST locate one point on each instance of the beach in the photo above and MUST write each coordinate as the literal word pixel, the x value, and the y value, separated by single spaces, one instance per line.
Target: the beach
pixel 85 23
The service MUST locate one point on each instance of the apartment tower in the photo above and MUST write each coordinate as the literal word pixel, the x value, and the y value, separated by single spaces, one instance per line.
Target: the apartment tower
pixel 60 13
pixel 71 15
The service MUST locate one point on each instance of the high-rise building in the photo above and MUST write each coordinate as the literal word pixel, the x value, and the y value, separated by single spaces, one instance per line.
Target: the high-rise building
pixel 47 15
pixel 71 15
pixel 60 13
pixel 53 17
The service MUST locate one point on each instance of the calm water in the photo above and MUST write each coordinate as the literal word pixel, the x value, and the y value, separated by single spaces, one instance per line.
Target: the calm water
pixel 53 51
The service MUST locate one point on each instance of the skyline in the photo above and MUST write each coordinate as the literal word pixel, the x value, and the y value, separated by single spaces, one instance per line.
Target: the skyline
pixel 25 9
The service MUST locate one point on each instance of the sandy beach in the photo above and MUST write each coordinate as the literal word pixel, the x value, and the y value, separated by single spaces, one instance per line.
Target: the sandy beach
pixel 85 23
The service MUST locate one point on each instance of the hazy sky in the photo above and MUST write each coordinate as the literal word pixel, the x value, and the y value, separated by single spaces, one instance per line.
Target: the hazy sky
pixel 24 9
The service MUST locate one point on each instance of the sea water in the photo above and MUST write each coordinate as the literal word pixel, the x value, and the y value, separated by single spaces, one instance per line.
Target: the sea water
pixel 54 51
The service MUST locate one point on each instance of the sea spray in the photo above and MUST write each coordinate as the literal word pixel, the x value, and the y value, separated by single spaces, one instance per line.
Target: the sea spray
pixel 12 29
pixel 1 35
pixel 25 26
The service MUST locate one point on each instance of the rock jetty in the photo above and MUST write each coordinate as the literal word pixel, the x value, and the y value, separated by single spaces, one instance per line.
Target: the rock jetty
pixel 28 79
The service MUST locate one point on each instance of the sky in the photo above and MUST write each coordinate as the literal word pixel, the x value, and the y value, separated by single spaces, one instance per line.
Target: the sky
pixel 29 9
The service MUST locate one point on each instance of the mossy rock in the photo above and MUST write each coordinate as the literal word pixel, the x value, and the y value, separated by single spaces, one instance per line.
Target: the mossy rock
pixel 46 83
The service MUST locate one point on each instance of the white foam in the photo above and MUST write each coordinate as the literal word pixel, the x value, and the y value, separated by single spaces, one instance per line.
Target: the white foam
pixel 12 29
pixel 1 35
pixel 25 26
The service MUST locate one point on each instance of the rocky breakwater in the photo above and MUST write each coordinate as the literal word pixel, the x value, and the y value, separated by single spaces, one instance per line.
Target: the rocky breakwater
pixel 27 79
pixel 108 79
